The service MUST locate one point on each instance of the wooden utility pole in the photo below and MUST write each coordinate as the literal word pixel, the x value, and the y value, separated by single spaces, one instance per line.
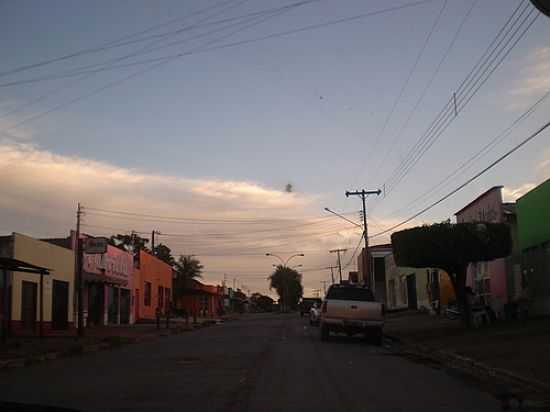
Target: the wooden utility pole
pixel 337 251
pixel 78 275
pixel 331 272
pixel 363 194
pixel 153 233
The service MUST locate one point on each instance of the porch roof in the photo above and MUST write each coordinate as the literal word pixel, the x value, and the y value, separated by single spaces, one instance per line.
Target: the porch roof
pixel 16 265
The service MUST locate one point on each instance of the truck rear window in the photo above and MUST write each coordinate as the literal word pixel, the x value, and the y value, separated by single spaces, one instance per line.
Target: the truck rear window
pixel 357 294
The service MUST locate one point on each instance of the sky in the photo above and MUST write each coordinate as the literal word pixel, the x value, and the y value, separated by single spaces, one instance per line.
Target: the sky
pixel 201 147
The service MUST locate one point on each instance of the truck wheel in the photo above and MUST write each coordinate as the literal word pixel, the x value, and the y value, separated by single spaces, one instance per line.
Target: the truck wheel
pixel 325 333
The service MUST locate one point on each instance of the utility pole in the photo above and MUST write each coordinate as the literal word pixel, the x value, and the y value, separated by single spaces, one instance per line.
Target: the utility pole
pixel 337 251
pixel 363 194
pixel 78 261
pixel 324 283
pixel 153 233
pixel 331 272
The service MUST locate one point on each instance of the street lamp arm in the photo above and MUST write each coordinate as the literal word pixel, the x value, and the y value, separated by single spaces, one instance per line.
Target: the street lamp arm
pixel 278 257
pixel 293 256
pixel 344 218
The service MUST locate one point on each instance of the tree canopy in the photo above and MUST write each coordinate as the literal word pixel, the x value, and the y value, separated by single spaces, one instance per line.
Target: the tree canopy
pixel 129 243
pixel 187 268
pixel 164 253
pixel 288 285
pixel 451 246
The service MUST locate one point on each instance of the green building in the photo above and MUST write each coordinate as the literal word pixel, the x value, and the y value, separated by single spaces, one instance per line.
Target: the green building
pixel 533 214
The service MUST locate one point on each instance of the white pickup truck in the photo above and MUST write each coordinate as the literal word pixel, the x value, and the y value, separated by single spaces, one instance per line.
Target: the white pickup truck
pixel 352 309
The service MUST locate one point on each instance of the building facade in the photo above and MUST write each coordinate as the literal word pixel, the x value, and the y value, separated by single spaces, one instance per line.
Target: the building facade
pixel 533 214
pixel 417 288
pixel 200 300
pixel 152 286
pixel 107 281
pixel 492 281
pixel 25 288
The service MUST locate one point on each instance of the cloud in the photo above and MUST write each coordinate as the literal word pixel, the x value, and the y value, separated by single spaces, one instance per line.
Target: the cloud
pixel 511 194
pixel 534 77
pixel 242 220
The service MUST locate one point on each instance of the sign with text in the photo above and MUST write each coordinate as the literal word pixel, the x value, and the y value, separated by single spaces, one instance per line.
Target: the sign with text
pixel 95 245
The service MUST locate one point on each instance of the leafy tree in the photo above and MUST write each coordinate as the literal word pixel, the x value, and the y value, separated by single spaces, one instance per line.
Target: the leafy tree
pixel 164 253
pixel 129 243
pixel 452 247
pixel 186 268
pixel 288 285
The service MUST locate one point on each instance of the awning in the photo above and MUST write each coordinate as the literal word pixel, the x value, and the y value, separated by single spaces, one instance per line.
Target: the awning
pixel 94 277
pixel 16 265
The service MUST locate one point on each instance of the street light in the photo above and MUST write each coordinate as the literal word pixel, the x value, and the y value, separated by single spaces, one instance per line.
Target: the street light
pixel 344 218
pixel 292 267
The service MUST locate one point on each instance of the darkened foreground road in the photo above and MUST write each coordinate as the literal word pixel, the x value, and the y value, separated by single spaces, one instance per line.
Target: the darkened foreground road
pixel 259 363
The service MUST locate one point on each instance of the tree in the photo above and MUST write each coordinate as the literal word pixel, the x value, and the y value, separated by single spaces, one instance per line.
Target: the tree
pixel 452 247
pixel 164 253
pixel 129 243
pixel 288 285
pixel 187 268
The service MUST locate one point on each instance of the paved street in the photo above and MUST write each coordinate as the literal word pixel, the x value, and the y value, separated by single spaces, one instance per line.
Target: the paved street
pixel 263 362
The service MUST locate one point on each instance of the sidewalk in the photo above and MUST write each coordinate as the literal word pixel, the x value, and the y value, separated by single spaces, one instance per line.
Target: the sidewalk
pixel 22 351
pixel 520 347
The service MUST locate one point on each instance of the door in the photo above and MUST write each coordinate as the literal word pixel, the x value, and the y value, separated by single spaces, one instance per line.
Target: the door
pixel 124 306
pixel 28 305
pixel 96 304
pixel 60 304
pixel 136 305
pixel 411 292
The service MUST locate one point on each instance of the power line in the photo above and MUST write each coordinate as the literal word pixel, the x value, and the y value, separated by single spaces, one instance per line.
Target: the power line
pixel 409 76
pixel 470 180
pixel 224 46
pixel 124 79
pixel 107 45
pixel 440 125
pixel 447 115
pixel 485 149
pixel 424 92
pixel 109 65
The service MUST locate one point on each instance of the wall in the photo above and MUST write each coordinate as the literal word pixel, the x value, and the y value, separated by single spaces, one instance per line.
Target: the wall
pixel 533 210
pixel 59 260
pixel 488 208
pixel 158 273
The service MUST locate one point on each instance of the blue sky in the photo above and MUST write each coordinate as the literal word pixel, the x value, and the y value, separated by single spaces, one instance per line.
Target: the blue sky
pixel 305 108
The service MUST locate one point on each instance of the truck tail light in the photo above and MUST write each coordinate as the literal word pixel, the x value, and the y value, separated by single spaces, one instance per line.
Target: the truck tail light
pixel 324 307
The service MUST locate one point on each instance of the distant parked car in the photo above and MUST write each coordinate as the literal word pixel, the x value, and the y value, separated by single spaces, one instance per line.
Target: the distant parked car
pixel 315 315
pixel 306 304
pixel 352 309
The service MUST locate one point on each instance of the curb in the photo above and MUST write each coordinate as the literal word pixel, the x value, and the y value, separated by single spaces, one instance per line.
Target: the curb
pixel 472 367
pixel 78 350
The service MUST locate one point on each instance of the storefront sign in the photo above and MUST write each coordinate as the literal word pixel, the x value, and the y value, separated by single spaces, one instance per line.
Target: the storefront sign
pixel 95 245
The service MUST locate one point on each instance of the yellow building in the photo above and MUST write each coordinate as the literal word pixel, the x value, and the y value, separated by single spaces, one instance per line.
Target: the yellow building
pixel 25 287
pixel 416 288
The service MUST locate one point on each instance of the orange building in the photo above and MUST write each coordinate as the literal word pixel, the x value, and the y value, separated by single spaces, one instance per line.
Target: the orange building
pixel 201 300
pixel 152 286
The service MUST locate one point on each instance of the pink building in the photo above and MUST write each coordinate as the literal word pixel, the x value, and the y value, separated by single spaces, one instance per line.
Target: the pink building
pixel 488 280
pixel 108 284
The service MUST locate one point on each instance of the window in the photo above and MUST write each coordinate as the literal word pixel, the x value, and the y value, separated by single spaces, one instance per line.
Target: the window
pixel 161 297
pixel 147 294
pixel 167 297
pixel 356 294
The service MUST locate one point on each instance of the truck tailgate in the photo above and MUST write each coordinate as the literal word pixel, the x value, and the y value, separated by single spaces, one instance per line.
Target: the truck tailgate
pixel 354 310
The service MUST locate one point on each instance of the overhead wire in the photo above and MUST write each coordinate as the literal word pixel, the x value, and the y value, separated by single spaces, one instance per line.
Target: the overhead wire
pixel 461 104
pixel 467 182
pixel 424 92
pixel 109 44
pixel 451 111
pixel 408 77
pixel 485 149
